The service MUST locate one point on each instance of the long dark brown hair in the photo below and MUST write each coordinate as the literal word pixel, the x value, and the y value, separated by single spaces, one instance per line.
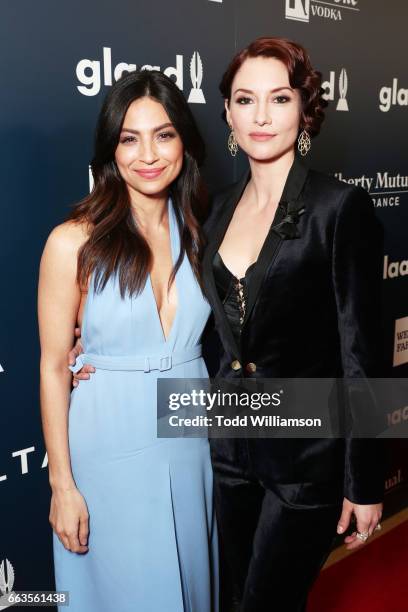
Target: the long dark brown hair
pixel 114 245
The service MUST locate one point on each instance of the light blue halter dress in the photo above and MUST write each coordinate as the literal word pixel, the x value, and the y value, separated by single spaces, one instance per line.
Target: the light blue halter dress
pixel 153 537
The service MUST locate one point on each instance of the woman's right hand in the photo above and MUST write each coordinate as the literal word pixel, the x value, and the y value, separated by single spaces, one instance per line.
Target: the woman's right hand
pixel 83 373
pixel 69 518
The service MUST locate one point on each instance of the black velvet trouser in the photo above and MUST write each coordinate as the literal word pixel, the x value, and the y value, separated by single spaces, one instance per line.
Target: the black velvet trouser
pixel 272 548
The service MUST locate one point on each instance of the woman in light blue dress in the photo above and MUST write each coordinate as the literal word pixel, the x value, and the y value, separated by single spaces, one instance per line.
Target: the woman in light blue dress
pixel 133 519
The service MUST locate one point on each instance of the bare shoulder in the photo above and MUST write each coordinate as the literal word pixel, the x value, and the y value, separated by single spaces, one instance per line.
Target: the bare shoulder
pixel 59 294
pixel 60 256
pixel 67 238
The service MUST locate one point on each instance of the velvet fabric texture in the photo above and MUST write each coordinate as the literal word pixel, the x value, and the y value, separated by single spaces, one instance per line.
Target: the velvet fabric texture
pixel 274 540
pixel 314 310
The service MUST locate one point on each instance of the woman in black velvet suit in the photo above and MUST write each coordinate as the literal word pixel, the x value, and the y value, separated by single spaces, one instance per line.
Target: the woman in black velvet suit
pixel 292 271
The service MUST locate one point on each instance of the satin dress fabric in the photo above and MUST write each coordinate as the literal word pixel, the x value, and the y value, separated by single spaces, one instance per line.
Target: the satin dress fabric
pixel 153 535
pixel 313 310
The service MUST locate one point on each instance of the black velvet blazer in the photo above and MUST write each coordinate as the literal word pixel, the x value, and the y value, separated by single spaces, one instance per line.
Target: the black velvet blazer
pixel 313 310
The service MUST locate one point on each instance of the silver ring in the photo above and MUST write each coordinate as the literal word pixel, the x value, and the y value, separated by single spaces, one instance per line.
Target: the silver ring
pixel 363 536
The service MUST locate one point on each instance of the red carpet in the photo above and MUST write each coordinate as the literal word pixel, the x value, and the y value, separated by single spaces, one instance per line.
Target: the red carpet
pixel 374 579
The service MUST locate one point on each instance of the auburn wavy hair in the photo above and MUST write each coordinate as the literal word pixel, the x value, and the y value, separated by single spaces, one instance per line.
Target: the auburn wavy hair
pixel 115 245
pixel 302 76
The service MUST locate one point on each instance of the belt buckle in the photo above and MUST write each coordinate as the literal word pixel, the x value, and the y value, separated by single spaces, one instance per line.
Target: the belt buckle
pixel 78 365
pixel 165 363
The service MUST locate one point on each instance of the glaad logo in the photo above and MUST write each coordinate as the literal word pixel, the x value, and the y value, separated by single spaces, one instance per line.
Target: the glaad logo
pixel 6 578
pixel 196 74
pixel 395 268
pixel 401 342
pixel 397 416
pixel 89 73
pixel 300 10
pixel 329 85
pixel 392 96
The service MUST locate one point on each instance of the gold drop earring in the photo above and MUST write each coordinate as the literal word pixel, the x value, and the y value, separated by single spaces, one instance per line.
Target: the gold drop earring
pixel 232 143
pixel 304 143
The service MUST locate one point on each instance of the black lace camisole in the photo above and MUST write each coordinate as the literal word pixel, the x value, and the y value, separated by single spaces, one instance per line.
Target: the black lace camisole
pixel 233 293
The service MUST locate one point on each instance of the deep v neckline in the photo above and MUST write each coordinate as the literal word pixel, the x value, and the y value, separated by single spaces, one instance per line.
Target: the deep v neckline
pixel 291 199
pixel 232 273
pixel 264 243
pixel 172 235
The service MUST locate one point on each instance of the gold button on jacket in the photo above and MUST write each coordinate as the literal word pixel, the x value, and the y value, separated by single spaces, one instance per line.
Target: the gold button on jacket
pixel 251 367
pixel 235 365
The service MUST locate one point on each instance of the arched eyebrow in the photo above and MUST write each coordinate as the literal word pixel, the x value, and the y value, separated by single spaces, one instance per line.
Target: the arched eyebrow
pixel 156 129
pixel 249 91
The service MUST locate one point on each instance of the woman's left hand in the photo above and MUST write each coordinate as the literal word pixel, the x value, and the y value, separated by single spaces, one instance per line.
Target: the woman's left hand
pixel 367 516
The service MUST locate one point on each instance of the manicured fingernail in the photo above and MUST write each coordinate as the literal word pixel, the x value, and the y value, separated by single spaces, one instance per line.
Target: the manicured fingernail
pixel 340 529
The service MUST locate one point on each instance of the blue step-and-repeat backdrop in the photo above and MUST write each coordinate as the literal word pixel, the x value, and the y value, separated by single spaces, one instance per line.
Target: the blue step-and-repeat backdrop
pixel 57 61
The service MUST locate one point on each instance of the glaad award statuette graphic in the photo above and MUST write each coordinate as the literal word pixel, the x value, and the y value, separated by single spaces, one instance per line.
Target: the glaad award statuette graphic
pixel 6 583
pixel 196 74
pixel 343 84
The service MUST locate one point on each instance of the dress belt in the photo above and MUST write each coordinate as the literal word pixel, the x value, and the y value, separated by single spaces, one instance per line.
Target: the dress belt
pixel 137 362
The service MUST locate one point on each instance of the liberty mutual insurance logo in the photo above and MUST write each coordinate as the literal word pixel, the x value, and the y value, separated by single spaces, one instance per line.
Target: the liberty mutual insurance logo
pixel 385 188
pixel 302 10
pixel 92 74
pixel 329 86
